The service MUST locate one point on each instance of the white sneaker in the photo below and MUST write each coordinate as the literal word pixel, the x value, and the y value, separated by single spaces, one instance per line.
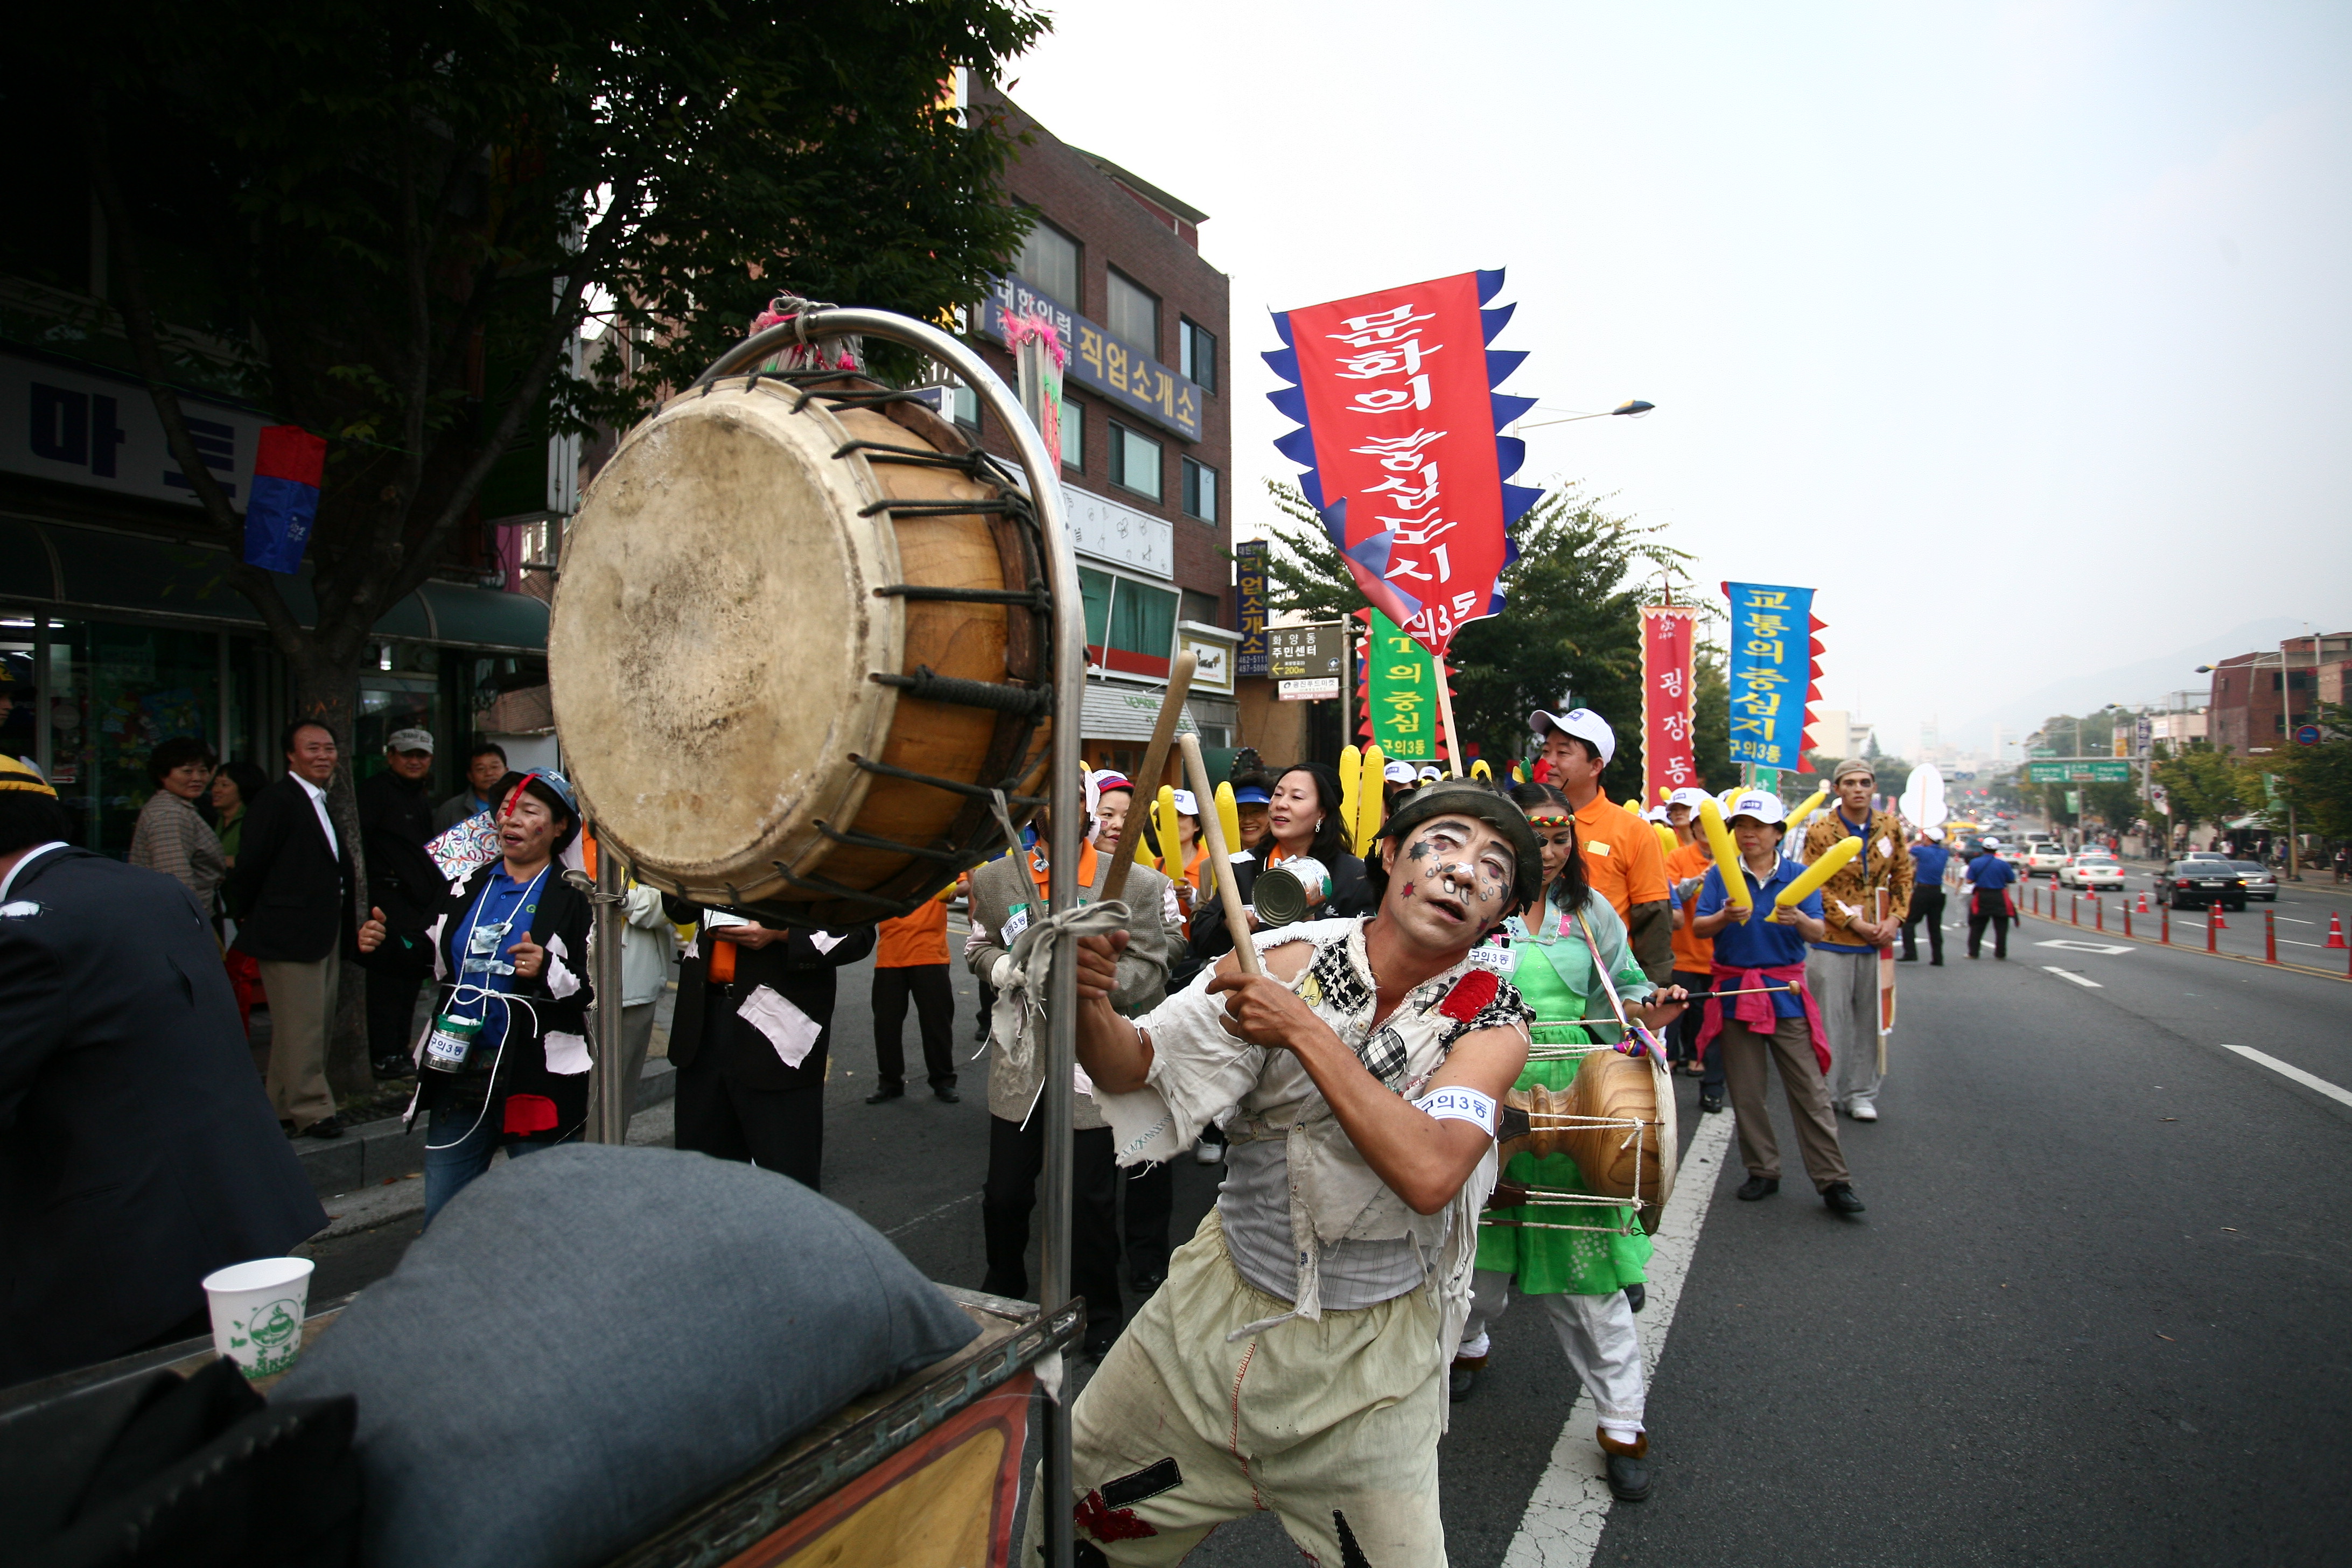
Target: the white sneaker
pixel 1862 1110
pixel 1207 1153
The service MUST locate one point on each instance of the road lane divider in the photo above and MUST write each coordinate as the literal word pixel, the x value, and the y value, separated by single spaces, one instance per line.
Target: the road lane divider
pixel 2288 1069
pixel 2082 980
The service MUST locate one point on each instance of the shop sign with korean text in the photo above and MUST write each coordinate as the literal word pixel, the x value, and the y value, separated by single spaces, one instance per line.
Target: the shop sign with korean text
pixel 1772 651
pixel 1122 374
pixel 1249 597
pixel 1393 393
pixel 1400 689
pixel 1668 632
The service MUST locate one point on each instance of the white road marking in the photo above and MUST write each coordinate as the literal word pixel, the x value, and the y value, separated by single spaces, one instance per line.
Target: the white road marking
pixel 1561 1526
pixel 2070 974
pixel 2288 1069
pixel 2107 950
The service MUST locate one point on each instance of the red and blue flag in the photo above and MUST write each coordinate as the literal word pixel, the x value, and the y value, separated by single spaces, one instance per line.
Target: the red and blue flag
pixel 283 505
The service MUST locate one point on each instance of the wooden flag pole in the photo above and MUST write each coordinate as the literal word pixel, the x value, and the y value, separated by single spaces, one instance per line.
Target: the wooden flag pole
pixel 1113 878
pixel 1196 771
pixel 1445 712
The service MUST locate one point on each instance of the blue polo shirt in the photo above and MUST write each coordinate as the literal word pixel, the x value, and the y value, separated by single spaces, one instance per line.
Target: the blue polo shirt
pixel 1927 863
pixel 1753 944
pixel 1991 872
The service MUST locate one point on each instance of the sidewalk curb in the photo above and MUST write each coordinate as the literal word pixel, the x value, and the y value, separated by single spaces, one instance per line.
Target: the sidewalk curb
pixel 2112 936
pixel 378 1151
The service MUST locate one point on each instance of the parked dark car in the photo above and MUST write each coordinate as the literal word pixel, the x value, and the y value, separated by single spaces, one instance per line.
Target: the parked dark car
pixel 2260 883
pixel 2200 884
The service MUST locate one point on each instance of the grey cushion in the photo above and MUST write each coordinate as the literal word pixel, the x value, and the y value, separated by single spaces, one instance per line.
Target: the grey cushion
pixel 589 1340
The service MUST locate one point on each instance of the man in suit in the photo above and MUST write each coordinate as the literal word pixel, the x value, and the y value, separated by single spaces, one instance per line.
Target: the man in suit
pixel 136 1153
pixel 291 891
pixel 749 1039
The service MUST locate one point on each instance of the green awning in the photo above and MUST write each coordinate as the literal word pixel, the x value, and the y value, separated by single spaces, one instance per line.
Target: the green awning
pixel 86 571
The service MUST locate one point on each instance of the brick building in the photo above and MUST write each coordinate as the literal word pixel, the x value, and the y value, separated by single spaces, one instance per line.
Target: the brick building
pixel 2258 697
pixel 1147 441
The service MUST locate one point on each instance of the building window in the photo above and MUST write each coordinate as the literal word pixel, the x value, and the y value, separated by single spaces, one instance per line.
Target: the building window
pixel 1207 609
pixel 1198 350
pixel 967 406
pixel 1049 259
pixel 1134 461
pixel 1130 626
pixel 1073 435
pixel 1134 313
pixel 1200 490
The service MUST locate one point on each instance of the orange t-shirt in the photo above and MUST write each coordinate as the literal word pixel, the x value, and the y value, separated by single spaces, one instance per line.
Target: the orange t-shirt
pixel 1692 951
pixel 1621 857
pixel 912 940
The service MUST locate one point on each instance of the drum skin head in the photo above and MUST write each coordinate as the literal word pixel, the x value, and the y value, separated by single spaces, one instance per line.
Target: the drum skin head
pixel 712 635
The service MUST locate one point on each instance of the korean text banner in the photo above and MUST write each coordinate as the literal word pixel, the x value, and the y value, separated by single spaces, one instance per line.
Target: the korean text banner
pixel 1667 764
pixel 1249 594
pixel 1401 692
pixel 1771 672
pixel 1393 393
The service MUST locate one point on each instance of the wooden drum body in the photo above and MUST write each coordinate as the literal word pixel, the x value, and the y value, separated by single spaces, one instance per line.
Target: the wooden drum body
pixel 801 640
pixel 1616 1121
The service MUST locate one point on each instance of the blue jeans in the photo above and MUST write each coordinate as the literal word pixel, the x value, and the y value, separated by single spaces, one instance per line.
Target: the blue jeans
pixel 468 1152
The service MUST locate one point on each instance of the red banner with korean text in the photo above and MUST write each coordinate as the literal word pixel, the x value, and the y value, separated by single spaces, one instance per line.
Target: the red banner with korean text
pixel 1668 634
pixel 1394 391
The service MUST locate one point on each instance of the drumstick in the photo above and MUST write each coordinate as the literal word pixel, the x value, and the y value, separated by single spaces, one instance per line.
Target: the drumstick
pixel 1229 891
pixel 1113 879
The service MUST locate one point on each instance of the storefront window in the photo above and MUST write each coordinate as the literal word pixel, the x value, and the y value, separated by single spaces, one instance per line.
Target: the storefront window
pixel 116 692
pixel 398 700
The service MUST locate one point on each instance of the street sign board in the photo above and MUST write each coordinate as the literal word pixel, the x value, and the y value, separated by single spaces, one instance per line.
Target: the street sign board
pixel 2045 751
pixel 2079 773
pixel 2307 734
pixel 1309 689
pixel 1314 652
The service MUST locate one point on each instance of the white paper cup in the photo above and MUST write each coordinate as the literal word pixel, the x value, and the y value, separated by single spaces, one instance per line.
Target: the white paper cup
pixel 258 1310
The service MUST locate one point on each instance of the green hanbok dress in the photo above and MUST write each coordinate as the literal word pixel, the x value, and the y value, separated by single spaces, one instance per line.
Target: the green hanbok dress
pixel 1554 974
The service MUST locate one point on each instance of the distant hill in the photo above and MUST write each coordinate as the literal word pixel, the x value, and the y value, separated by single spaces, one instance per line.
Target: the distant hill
pixel 2148 680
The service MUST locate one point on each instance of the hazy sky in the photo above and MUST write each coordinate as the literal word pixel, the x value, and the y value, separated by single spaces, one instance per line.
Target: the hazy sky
pixel 2021 332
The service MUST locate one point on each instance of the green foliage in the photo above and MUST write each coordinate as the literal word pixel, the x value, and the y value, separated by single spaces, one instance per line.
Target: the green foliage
pixel 2208 785
pixel 398 214
pixel 1571 626
pixel 2317 779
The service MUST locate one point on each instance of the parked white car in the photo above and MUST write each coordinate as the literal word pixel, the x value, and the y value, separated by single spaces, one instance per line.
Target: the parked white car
pixel 2046 858
pixel 2098 872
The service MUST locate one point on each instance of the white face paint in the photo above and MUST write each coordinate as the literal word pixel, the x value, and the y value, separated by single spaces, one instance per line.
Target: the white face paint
pixel 1460 871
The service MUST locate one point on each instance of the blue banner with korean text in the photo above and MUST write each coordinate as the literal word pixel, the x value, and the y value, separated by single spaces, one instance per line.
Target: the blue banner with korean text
pixel 1126 376
pixel 1773 650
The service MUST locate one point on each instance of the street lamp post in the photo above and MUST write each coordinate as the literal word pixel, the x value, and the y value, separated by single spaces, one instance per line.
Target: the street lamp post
pixel 1633 408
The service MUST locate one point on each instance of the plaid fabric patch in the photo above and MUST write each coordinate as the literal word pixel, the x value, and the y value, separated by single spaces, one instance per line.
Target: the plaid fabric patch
pixel 1337 985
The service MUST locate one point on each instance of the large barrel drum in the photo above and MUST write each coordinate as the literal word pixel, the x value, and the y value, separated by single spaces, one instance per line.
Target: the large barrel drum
pixel 800 645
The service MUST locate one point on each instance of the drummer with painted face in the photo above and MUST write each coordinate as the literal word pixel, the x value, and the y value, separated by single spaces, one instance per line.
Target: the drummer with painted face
pixel 1293 1361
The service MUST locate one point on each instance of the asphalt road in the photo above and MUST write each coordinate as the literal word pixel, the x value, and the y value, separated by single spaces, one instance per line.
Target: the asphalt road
pixel 2094 1313
pixel 2298 919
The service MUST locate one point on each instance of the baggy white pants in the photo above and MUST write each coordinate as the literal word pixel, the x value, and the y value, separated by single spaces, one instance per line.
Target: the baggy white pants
pixel 1597 1332
pixel 1845 988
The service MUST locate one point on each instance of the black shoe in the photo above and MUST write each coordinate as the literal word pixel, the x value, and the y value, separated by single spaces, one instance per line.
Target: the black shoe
pixel 1145 1282
pixel 888 1091
pixel 388 1068
pixel 947 1095
pixel 1841 1199
pixel 1637 1297
pixel 1975 955
pixel 1099 1346
pixel 326 1127
pixel 1710 1103
pixel 1935 963
pixel 1756 1187
pixel 1907 958
pixel 1629 1467
pixel 1461 1378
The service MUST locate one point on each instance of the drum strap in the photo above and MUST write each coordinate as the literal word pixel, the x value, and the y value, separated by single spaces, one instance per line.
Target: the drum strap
pixel 1609 986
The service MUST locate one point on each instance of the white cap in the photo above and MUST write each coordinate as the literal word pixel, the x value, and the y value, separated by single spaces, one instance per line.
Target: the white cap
pixel 1655 814
pixel 1689 796
pixel 1991 843
pixel 1187 803
pixel 1398 773
pixel 1934 836
pixel 1429 774
pixel 1581 723
pixel 1762 807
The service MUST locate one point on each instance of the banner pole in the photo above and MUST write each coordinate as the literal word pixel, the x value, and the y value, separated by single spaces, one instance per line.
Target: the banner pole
pixel 1445 712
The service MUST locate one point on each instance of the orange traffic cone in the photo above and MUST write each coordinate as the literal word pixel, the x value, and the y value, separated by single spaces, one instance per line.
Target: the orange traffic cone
pixel 2334 931
pixel 2219 923
pixel 2143 903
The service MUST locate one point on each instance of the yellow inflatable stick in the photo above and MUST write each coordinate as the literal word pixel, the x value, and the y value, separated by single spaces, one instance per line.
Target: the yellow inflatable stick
pixel 1172 837
pixel 1229 818
pixel 1372 802
pixel 1667 842
pixel 1832 860
pixel 1803 810
pixel 1726 856
pixel 1479 770
pixel 1351 772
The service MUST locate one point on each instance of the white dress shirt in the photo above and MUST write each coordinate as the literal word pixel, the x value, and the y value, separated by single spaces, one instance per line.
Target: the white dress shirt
pixel 34 853
pixel 319 804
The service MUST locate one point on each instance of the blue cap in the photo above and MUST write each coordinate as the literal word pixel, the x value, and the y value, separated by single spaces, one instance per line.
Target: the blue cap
pixel 1250 794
